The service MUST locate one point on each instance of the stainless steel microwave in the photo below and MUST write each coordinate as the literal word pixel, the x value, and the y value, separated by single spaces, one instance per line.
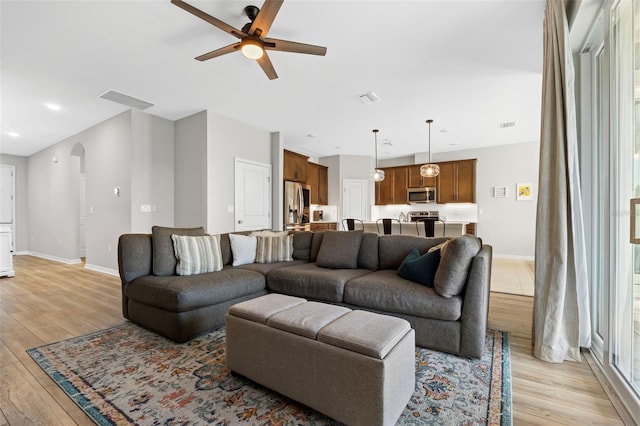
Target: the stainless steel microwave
pixel 421 195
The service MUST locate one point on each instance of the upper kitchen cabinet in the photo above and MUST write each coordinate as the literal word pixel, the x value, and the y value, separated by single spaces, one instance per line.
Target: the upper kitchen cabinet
pixel 393 189
pixel 323 185
pixel 417 181
pixel 312 181
pixel 295 167
pixel 457 181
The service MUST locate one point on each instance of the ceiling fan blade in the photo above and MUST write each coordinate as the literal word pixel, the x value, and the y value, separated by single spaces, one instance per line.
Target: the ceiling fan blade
pixel 210 19
pixel 219 52
pixel 267 66
pixel 265 18
pixel 292 46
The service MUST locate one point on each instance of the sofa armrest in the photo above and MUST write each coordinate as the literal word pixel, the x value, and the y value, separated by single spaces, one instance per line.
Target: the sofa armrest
pixel 135 258
pixel 475 304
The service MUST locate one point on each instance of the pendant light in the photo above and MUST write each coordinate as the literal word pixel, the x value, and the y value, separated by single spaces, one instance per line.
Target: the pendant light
pixel 430 169
pixel 378 175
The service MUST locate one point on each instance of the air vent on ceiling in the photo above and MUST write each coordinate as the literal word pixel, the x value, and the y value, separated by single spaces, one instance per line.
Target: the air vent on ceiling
pixel 369 98
pixel 507 124
pixel 121 98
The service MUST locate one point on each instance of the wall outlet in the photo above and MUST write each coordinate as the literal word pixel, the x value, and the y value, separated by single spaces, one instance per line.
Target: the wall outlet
pixel 91 209
pixel 229 209
pixel 109 248
pixel 145 208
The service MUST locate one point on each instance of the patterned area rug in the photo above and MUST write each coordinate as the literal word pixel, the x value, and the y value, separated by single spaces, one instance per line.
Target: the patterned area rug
pixel 128 375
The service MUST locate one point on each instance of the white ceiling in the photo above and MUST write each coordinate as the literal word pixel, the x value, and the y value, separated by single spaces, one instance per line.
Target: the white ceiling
pixel 469 65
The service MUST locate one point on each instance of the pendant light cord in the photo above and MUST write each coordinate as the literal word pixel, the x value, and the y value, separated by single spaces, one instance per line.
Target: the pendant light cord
pixel 375 132
pixel 429 123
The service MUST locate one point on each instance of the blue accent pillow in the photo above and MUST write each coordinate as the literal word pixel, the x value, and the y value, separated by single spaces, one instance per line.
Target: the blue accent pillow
pixel 420 268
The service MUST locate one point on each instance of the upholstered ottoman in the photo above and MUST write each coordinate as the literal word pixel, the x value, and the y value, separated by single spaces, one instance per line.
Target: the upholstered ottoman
pixel 356 367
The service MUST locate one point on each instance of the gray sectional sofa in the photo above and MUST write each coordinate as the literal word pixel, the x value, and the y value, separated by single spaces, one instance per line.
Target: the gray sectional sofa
pixel 357 271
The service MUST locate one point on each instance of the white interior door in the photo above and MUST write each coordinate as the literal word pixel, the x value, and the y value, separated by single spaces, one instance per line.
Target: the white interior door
pixel 6 194
pixel 7 200
pixel 252 195
pixel 354 199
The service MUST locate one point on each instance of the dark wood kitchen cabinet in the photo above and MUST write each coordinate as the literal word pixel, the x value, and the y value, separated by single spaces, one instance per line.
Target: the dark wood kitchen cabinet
pixel 317 179
pixel 456 182
pixel 295 167
pixel 393 189
pixel 417 181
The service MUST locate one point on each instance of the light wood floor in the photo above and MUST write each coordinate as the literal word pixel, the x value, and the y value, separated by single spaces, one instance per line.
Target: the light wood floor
pixel 47 301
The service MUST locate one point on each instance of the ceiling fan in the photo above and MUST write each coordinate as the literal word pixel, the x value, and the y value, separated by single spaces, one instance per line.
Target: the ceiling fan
pixel 253 37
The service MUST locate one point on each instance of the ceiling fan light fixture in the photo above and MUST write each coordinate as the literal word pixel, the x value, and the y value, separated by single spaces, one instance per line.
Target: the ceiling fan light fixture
pixel 430 169
pixel 251 49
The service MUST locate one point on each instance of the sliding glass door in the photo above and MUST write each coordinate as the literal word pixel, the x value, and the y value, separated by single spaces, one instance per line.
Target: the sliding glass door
pixel 625 291
pixel 610 124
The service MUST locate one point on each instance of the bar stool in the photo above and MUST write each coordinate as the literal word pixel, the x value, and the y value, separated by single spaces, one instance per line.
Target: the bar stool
pixel 386 225
pixel 350 224
pixel 429 226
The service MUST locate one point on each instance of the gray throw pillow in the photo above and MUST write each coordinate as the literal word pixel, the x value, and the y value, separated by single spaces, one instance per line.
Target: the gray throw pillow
pixel 164 259
pixel 339 250
pixel 451 275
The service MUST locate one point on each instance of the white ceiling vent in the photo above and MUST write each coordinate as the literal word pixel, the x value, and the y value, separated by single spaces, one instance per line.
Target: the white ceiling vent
pixel 369 98
pixel 121 98
pixel 507 124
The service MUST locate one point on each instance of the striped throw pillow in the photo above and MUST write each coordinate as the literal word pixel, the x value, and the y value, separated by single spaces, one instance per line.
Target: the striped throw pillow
pixel 197 255
pixel 271 249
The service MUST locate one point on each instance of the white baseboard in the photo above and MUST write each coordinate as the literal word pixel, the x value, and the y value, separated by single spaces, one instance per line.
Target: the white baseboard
pixel 513 256
pixel 55 258
pixel 20 253
pixel 107 271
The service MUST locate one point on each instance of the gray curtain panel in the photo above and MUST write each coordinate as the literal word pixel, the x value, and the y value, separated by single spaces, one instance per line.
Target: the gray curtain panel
pixel 561 302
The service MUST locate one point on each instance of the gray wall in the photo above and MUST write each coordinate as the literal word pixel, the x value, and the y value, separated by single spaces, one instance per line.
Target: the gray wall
pixel 508 225
pixel 152 172
pixel 190 156
pixel 228 139
pixel 132 151
pixel 21 223
pixel 277 179
pixel 348 167
pixel 53 194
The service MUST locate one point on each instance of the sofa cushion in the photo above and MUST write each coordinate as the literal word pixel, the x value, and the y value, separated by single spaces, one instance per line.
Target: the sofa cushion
pixel 265 268
pixel 197 254
pixel 385 291
pixel 420 268
pixel 339 250
pixel 316 243
pixel 368 255
pixel 164 259
pixel 451 275
pixel 302 245
pixel 313 282
pixel 243 248
pixel 179 294
pixel 392 249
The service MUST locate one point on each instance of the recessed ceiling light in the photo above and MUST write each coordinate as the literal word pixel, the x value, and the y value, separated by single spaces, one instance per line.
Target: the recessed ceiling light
pixel 453 144
pixel 312 135
pixel 52 106
pixel 337 147
pixel 13 134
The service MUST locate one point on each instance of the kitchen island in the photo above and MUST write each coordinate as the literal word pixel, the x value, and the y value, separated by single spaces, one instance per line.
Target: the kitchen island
pixel 451 229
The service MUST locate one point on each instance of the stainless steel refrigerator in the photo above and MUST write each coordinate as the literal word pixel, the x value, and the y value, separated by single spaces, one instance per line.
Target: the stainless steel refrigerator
pixel 296 206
